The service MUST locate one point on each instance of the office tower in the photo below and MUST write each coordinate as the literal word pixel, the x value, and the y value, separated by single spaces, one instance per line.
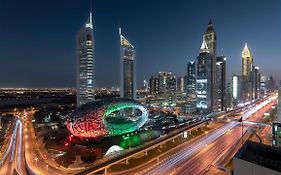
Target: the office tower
pixel 256 82
pixel 145 85
pixel 85 63
pixel 164 78
pixel 228 95
pixel 127 68
pixel 204 80
pixel 247 66
pixel 154 85
pixel 237 89
pixel 191 82
pixel 210 38
pixel 221 82
pixel 172 84
pixel 263 86
pixel 271 83
pixel 180 84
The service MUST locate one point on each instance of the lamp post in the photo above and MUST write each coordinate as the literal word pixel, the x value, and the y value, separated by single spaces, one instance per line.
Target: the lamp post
pixel 241 120
pixel 206 132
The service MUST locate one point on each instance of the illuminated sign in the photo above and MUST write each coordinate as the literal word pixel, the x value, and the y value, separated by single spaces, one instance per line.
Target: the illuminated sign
pixel 201 93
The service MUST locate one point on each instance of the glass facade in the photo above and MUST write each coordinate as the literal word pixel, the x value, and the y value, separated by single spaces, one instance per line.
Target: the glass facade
pixel 128 68
pixel 85 63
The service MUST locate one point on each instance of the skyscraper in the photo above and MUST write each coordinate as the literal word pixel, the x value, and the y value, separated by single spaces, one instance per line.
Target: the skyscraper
pixel 204 80
pixel 180 84
pixel 247 66
pixel 221 82
pixel 256 82
pixel 191 82
pixel 247 63
pixel 236 89
pixel 210 38
pixel 164 80
pixel 85 63
pixel 127 68
pixel 154 85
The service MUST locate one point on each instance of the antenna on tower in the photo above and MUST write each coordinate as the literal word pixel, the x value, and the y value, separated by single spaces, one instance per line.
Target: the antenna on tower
pixel 91 3
pixel 119 26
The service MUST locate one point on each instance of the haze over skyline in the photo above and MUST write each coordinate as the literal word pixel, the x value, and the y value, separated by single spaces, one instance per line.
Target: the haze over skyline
pixel 37 48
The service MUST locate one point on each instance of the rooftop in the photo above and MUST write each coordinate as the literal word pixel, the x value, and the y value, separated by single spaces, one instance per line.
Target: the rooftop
pixel 260 154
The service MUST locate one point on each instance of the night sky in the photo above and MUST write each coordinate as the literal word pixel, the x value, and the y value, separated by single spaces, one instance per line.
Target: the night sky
pixel 37 37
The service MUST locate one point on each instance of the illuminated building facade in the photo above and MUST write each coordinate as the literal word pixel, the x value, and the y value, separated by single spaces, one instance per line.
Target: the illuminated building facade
pixel 167 82
pixel 204 80
pixel 180 84
pixel 263 86
pixel 127 68
pixel 237 89
pixel 106 118
pixel 153 85
pixel 191 84
pixel 247 66
pixel 256 82
pixel 210 38
pixel 221 82
pixel 85 63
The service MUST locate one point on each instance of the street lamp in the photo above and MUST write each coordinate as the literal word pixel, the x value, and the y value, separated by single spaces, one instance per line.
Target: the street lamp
pixel 206 132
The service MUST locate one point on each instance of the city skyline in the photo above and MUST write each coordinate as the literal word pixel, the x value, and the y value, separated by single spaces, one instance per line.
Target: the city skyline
pixel 170 53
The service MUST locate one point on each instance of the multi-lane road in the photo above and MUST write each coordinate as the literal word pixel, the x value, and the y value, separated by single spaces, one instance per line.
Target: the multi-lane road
pixel 197 157
pixel 13 159
pixel 189 158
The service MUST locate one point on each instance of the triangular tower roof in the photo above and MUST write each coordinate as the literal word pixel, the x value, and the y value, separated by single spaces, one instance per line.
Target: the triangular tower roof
pixel 204 47
pixel 123 40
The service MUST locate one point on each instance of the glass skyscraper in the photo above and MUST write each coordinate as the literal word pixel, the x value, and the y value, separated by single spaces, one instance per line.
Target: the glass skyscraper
pixel 85 63
pixel 191 82
pixel 127 68
pixel 210 38
pixel 204 80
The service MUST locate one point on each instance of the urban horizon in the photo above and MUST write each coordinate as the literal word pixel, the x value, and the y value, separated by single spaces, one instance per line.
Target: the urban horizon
pixel 161 92
pixel 172 62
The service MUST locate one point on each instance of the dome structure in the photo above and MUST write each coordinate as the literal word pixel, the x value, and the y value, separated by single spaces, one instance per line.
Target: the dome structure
pixel 114 116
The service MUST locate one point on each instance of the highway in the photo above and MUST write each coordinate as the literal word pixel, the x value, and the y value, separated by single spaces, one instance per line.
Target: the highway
pixel 189 158
pixel 196 157
pixel 13 160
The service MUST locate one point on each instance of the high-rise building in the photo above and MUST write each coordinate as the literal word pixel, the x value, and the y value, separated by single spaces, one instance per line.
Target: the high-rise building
pixel 210 38
pixel 204 80
pixel 85 63
pixel 263 86
pixel 271 83
pixel 154 85
pixel 127 68
pixel 247 66
pixel 221 82
pixel 164 80
pixel 256 82
pixel 172 84
pixel 191 82
pixel 237 89
pixel 180 84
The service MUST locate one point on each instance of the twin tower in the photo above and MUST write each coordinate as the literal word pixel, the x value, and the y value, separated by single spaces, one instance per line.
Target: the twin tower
pixel 85 70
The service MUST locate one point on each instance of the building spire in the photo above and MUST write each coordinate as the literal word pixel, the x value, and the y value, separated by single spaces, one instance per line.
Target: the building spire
pixel 204 47
pixel 246 52
pixel 210 22
pixel 89 23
